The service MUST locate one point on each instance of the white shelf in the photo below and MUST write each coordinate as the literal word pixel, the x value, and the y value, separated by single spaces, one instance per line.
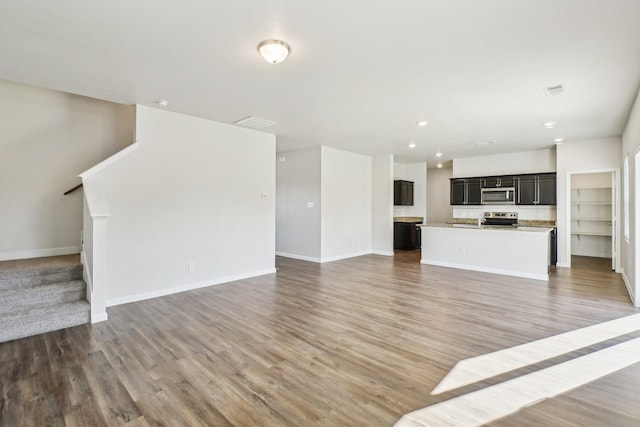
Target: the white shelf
pixel 591 221
pixel 591 203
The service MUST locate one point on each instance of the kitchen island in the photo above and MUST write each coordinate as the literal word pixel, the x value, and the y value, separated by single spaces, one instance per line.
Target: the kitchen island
pixel 513 251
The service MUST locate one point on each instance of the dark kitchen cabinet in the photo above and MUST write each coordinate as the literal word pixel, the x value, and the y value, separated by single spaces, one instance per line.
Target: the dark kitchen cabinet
pixel 537 189
pixel 458 191
pixel 403 193
pixel 497 181
pixel 547 189
pixel 466 191
pixel 406 235
pixel 474 191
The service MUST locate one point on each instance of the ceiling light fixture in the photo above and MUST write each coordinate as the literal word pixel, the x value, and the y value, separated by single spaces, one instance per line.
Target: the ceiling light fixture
pixel 412 145
pixel 558 140
pixel 422 123
pixel 274 51
pixel 438 154
pixel 162 102
pixel 549 125
pixel 440 165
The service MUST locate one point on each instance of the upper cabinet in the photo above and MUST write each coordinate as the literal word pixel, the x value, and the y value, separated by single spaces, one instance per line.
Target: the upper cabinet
pixel 536 189
pixel 497 181
pixel 402 193
pixel 531 189
pixel 466 191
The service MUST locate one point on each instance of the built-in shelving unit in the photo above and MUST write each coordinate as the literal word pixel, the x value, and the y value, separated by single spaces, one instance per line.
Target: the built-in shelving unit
pixel 591 221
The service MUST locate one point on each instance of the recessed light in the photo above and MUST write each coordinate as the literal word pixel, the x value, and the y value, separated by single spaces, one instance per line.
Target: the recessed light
pixel 438 154
pixel 162 102
pixel 439 165
pixel 558 140
pixel 412 145
pixel 422 123
pixel 549 125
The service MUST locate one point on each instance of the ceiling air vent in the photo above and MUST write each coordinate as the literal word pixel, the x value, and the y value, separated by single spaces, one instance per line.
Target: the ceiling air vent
pixel 553 90
pixel 253 122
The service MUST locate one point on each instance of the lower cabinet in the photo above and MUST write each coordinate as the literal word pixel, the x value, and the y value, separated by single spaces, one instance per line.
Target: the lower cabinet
pixel 406 235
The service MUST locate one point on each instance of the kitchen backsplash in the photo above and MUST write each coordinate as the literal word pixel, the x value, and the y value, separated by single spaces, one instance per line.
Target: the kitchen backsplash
pixel 525 213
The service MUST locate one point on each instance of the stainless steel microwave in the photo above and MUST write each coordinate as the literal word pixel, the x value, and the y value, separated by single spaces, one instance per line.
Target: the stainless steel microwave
pixel 499 196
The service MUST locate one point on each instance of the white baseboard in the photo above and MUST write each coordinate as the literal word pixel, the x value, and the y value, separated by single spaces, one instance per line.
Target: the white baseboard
pixel 385 253
pixel 98 317
pixel 627 283
pixel 345 256
pixel 300 257
pixel 563 265
pixel 544 277
pixel 182 288
pixel 330 259
pixel 37 253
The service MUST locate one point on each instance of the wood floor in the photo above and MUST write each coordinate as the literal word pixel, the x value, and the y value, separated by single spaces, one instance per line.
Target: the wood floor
pixel 358 342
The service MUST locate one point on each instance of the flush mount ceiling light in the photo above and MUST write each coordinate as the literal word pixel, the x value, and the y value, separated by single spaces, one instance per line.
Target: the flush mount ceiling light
pixel 558 140
pixel 438 154
pixel 162 102
pixel 422 123
pixel 412 145
pixel 440 165
pixel 274 51
pixel 549 125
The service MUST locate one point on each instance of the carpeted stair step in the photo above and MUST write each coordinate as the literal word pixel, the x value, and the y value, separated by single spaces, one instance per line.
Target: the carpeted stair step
pixel 20 299
pixel 39 276
pixel 35 321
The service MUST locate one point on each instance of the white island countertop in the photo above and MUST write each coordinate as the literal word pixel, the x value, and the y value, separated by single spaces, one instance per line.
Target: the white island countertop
pixel 521 251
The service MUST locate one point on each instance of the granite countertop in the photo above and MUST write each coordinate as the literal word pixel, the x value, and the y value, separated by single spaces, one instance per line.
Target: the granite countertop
pixel 410 219
pixel 535 229
pixel 521 222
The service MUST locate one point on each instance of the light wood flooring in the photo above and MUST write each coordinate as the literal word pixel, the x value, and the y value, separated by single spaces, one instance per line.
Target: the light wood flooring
pixel 357 342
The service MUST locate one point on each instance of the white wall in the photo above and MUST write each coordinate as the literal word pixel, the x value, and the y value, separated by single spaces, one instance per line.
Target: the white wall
pixel 416 172
pixel 588 156
pixel 298 185
pixel 504 164
pixel 382 205
pixel 439 209
pixel 196 191
pixel 346 184
pixel 629 250
pixel 47 139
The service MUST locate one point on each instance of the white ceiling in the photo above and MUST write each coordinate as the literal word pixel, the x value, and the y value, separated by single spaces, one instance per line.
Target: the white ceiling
pixel 360 74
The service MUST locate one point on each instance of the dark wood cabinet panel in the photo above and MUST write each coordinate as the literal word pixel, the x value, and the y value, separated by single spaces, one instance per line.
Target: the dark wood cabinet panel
pixel 402 193
pixel 406 235
pixel 474 193
pixel 547 189
pixel 537 189
pixel 457 192
pixel 531 189
pixel 466 191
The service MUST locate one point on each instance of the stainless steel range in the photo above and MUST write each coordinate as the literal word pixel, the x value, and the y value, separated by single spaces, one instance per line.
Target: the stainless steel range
pixel 501 218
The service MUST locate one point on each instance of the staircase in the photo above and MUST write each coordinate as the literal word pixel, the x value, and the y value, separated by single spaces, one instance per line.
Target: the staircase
pixel 41 295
